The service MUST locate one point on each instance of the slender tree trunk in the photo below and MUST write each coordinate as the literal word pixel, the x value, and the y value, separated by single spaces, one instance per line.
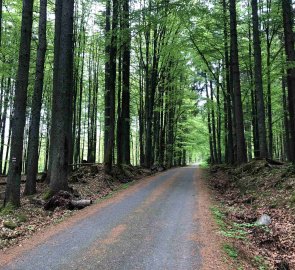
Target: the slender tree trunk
pixel 12 194
pixel 126 85
pixel 290 54
pixel 111 90
pixel 258 82
pixel 238 107
pixel 229 128
pixel 32 161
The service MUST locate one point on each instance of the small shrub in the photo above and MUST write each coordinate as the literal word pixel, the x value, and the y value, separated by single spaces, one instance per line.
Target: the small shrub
pixel 9 224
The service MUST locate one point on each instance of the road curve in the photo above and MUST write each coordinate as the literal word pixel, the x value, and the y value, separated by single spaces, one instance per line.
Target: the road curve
pixel 152 225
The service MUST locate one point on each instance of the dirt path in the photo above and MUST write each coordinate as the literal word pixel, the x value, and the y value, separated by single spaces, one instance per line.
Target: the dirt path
pixel 160 223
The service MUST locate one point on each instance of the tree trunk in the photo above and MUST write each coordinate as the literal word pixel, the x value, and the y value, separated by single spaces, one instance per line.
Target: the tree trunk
pixel 62 97
pixel 258 82
pixel 12 194
pixel 290 54
pixel 110 88
pixel 126 85
pixel 32 160
pixel 238 107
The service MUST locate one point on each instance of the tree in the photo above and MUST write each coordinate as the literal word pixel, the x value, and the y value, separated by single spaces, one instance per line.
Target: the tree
pixel 241 153
pixel 12 194
pixel 258 82
pixel 33 144
pixel 110 85
pixel 288 22
pixel 62 97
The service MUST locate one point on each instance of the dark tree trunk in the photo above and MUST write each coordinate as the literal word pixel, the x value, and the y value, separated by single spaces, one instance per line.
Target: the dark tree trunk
pixel 286 119
pixel 212 156
pixel 238 107
pixel 61 141
pixel 33 144
pixel 110 88
pixel 126 85
pixel 12 194
pixel 258 82
pixel 213 123
pixel 229 127
pixel 290 54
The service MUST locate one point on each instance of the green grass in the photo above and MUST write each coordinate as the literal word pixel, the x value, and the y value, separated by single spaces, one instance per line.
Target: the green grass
pixel 7 210
pixel 260 263
pixel 231 251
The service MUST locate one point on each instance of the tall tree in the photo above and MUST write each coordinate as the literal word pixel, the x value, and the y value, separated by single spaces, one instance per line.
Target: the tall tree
pixel 241 155
pixel 126 84
pixel 258 82
pixel 110 87
pixel 12 194
pixel 288 21
pixel 62 97
pixel 33 144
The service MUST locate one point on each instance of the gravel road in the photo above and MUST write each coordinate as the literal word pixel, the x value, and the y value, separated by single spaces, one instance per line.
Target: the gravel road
pixel 151 225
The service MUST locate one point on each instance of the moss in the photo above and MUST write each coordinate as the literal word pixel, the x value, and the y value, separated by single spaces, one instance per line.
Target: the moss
pixel 47 194
pixel 9 224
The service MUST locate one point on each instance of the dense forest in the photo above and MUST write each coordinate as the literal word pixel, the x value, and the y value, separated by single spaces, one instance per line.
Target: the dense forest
pixel 147 82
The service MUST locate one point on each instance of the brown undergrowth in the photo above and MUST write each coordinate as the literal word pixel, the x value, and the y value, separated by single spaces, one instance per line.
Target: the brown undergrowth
pixel 244 194
pixel 87 182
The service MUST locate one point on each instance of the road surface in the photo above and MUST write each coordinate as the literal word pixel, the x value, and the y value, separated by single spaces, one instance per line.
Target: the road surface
pixel 152 225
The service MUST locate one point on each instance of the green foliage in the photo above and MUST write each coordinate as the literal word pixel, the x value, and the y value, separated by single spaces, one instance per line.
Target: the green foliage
pixel 231 251
pixel 22 218
pixel 7 210
pixel 260 263
pixel 9 224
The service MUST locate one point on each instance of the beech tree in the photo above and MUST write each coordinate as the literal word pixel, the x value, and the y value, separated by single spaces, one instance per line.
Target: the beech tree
pixel 12 194
pixel 33 144
pixel 61 130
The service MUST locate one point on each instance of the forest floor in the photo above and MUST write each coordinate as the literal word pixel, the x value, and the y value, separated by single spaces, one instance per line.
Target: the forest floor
pixel 87 182
pixel 242 196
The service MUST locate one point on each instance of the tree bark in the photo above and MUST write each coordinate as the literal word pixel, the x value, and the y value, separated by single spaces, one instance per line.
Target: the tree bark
pixel 33 144
pixel 12 194
pixel 290 55
pixel 258 82
pixel 238 107
pixel 110 90
pixel 62 97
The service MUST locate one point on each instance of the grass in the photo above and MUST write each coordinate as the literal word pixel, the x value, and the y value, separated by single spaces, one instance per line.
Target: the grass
pixel 260 263
pixel 7 210
pixel 231 251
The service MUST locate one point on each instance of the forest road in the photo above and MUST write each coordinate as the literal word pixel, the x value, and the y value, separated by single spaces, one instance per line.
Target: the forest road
pixel 151 225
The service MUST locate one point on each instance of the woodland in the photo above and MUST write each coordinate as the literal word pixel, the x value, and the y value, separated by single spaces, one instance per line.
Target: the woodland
pixel 148 82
